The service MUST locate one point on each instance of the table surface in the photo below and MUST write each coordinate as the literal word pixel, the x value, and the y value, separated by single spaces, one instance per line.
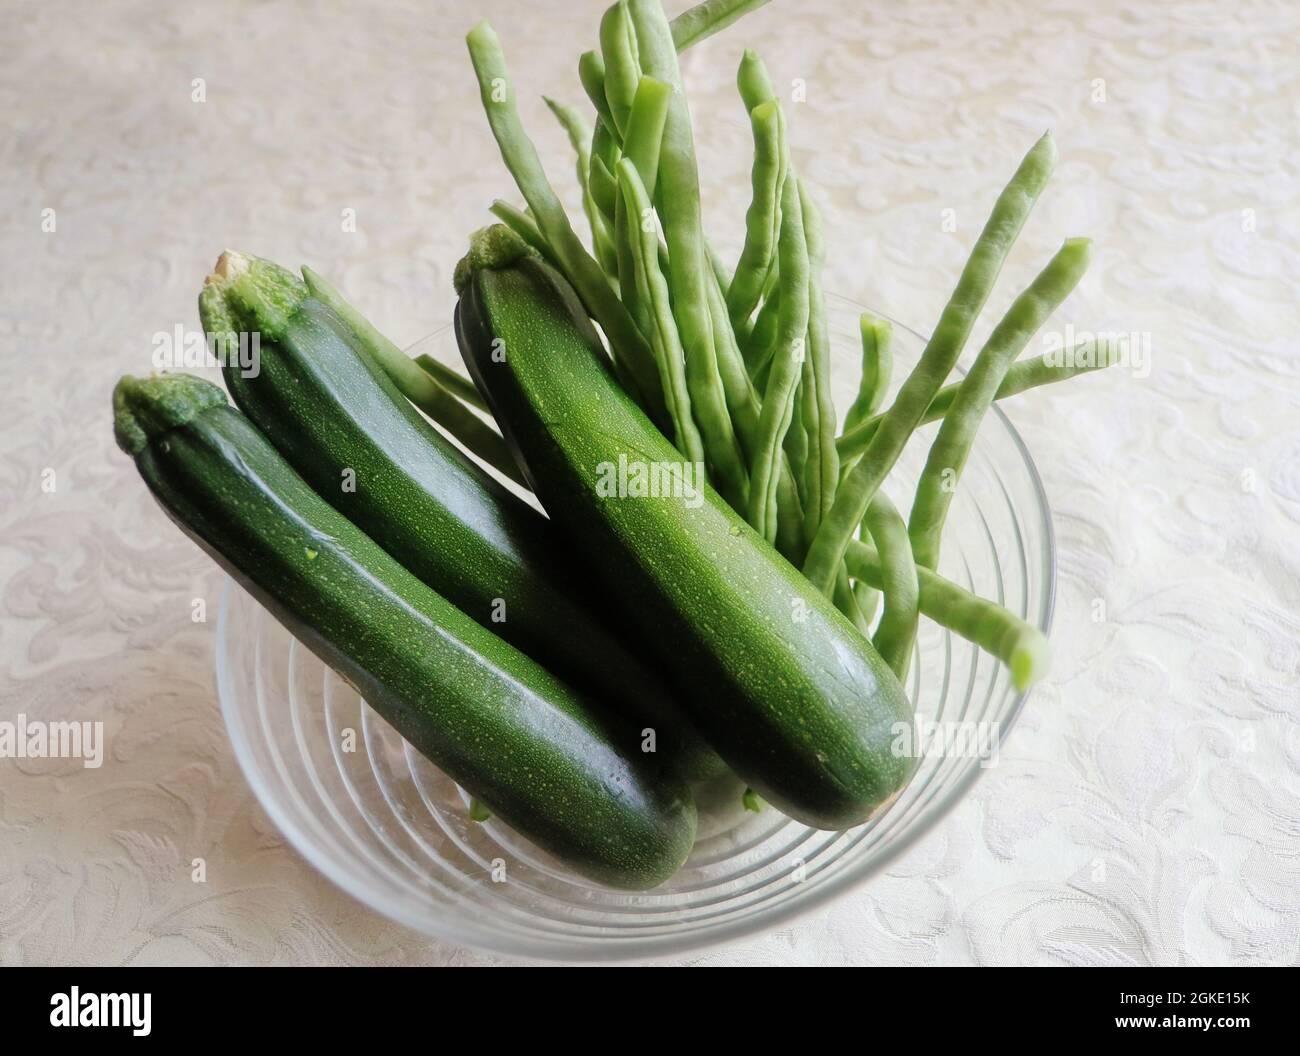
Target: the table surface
pixel 1146 808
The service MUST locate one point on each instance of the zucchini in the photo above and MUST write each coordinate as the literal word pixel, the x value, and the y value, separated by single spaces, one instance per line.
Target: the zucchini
pixel 339 420
pixel 530 749
pixel 787 691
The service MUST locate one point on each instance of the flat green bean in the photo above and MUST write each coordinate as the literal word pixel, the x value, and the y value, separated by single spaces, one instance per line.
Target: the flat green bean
pixel 940 356
pixel 988 625
pixel 952 446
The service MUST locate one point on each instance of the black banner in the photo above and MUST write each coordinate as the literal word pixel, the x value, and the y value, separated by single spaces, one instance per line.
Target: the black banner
pixel 142 1005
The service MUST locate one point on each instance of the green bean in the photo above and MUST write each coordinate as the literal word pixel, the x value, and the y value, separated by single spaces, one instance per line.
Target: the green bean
pixel 877 365
pixel 896 632
pixel 846 600
pixel 787 363
pixel 476 435
pixel 589 280
pixel 822 467
pixel 605 152
pixel 719 269
pixel 1047 369
pixel 753 81
pixel 591 72
pixel 952 446
pixel 678 197
pixel 525 227
pixel 723 367
pixel 743 405
pixel 795 441
pixel 603 191
pixel 740 399
pixel 762 335
pixel 756 91
pixel 1080 358
pixel 576 128
pixel 761 375
pixel 762 219
pixel 452 380
pixel 652 291
pixel 643 135
pixel 988 625
pixel 622 69
pixel 643 139
pixel 867 596
pixel 580 135
pixel 940 356
pixel 604 246
pixel 703 20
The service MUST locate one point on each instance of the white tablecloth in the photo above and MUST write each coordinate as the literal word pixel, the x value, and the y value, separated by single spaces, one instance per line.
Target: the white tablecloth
pixel 1147 807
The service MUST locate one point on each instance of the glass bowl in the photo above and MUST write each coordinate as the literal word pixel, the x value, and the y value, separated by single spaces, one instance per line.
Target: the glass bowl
pixel 386 826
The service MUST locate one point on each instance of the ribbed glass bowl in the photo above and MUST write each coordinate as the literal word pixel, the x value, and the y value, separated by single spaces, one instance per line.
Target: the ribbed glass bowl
pixel 386 826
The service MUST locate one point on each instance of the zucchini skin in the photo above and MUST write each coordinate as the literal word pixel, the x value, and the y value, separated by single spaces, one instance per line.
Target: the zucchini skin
pixel 546 762
pixel 328 408
pixel 793 698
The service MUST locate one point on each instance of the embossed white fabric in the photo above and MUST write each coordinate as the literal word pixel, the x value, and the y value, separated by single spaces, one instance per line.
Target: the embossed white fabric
pixel 1147 807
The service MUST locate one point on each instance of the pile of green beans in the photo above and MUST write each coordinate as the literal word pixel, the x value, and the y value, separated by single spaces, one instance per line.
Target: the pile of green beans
pixel 734 364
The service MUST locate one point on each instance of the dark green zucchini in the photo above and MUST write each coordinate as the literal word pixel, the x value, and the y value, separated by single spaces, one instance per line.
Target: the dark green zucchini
pixel 791 696
pixel 338 419
pixel 546 761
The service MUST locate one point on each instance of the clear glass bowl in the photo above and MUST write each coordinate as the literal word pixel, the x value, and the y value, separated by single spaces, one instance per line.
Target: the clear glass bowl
pixel 383 823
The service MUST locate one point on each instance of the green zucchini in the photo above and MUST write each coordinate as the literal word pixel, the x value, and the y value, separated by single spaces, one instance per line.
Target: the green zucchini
pixel 791 696
pixel 529 748
pixel 339 420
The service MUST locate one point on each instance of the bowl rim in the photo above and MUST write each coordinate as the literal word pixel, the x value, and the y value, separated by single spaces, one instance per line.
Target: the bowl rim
pixel 664 945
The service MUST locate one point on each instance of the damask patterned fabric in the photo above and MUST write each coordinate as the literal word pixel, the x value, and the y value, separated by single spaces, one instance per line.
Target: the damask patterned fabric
pixel 1146 809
